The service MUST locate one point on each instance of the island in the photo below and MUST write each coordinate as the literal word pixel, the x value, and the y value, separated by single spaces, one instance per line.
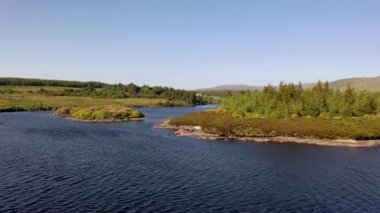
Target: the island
pixel 289 113
pixel 100 114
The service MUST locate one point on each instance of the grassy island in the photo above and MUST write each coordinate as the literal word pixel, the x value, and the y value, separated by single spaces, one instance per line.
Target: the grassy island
pixel 289 113
pixel 100 114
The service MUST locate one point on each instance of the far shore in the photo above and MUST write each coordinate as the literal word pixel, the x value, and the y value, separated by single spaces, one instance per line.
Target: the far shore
pixel 48 108
pixel 197 132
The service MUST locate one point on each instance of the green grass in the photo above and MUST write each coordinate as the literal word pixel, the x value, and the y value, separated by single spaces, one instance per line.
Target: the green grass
pixel 225 124
pixel 30 102
pixel 99 113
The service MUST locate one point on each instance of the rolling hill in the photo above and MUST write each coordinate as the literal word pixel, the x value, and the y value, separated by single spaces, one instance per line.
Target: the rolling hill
pixel 369 84
pixel 231 87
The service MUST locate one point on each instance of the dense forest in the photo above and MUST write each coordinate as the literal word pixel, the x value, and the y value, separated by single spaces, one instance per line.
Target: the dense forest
pixel 290 100
pixel 102 90
pixel 53 83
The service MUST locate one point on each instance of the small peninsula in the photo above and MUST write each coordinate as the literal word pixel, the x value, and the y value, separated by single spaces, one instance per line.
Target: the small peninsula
pixel 100 114
pixel 219 125
pixel 289 113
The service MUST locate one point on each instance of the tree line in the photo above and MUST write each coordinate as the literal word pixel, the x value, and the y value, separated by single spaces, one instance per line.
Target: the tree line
pixel 291 100
pixel 103 90
pixel 131 91
pixel 44 82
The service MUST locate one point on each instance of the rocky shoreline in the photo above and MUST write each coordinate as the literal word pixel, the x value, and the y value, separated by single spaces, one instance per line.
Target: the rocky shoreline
pixel 196 131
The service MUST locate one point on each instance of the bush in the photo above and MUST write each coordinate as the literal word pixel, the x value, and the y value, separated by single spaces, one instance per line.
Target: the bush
pixel 99 113
pixel 136 114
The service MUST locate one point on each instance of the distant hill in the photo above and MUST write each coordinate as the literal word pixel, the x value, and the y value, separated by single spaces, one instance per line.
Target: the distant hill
pixel 232 87
pixel 241 87
pixel 369 84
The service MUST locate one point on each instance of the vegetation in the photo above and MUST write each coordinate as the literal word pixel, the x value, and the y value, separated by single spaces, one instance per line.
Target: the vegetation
pixel 289 110
pixel 218 93
pixel 104 113
pixel 290 100
pixel 52 83
pixel 98 90
pixel 32 102
pixel 19 94
pixel 226 124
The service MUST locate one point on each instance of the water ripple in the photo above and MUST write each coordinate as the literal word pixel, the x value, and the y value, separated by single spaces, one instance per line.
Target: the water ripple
pixel 49 164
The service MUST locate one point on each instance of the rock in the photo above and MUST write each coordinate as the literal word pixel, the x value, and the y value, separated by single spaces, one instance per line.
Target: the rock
pixel 197 128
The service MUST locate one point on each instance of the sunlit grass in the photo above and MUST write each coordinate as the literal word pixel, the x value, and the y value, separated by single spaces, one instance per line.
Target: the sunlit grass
pixel 226 124
pixel 99 113
pixel 22 102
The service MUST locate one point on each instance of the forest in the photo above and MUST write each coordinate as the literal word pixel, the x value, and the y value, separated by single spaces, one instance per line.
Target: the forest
pixel 44 82
pixel 129 91
pixel 291 100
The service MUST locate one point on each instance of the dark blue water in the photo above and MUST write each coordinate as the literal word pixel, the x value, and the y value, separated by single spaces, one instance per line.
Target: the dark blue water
pixel 51 164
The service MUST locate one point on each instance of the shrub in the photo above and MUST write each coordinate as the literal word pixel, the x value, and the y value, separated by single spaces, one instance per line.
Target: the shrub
pixel 136 114
pixel 99 113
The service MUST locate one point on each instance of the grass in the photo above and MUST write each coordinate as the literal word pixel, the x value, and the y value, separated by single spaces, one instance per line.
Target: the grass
pixel 27 98
pixel 225 124
pixel 30 102
pixel 102 113
pixel 33 88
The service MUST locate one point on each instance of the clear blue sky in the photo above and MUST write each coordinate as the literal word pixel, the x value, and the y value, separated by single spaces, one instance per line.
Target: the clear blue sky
pixel 190 43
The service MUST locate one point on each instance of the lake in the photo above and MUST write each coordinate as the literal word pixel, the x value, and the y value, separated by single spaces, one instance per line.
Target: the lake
pixel 50 164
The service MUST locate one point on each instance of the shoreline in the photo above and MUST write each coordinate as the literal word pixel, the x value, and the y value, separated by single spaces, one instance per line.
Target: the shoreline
pixel 197 132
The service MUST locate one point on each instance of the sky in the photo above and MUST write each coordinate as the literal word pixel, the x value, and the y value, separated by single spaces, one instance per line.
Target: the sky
pixel 190 43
